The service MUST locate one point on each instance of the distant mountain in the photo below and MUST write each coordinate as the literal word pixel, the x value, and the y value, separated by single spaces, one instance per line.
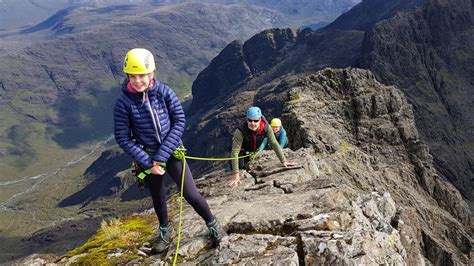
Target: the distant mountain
pixel 64 88
pixel 302 12
pixel 422 47
pixel 23 14
pixel 18 14
pixel 368 12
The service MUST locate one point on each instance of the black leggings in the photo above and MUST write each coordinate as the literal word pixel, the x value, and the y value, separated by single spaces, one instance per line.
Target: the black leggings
pixel 158 191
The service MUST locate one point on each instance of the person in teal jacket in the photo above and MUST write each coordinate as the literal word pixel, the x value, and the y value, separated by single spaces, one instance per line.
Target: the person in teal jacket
pixel 280 135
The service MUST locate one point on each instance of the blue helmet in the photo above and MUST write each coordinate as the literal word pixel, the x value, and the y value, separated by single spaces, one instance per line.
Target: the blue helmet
pixel 254 112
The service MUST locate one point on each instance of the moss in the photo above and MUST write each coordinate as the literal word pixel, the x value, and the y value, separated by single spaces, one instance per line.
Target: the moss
pixel 343 148
pixel 294 97
pixel 94 259
pixel 112 235
pixel 392 239
pixel 334 83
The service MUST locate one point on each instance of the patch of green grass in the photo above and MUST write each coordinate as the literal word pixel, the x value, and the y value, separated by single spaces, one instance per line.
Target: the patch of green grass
pixel 19 136
pixel 35 153
pixel 115 234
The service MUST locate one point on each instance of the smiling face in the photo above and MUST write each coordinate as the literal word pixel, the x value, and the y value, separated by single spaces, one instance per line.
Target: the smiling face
pixel 276 129
pixel 253 123
pixel 140 82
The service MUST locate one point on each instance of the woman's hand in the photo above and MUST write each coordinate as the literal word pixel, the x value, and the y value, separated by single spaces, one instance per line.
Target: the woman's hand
pixel 157 169
pixel 235 180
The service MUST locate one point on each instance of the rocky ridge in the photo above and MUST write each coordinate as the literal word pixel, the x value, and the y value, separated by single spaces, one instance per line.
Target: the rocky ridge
pixel 266 56
pixel 432 64
pixel 408 49
pixel 365 15
pixel 364 191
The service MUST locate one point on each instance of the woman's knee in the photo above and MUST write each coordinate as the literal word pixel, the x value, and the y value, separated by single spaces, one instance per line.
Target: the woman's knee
pixel 193 197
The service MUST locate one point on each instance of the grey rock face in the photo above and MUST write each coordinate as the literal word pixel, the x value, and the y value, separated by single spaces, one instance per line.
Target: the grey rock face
pixel 366 191
pixel 368 12
pixel 239 62
pixel 427 54
pixel 423 47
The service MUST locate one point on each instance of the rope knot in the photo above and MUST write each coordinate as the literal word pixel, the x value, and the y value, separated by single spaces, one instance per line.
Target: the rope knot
pixel 251 155
pixel 180 153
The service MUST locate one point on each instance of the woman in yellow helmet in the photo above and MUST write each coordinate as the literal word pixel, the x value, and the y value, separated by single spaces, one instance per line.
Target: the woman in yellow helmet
pixel 280 135
pixel 148 125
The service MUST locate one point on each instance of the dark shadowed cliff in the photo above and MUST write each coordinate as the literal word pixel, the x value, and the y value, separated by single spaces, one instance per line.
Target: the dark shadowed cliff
pixel 428 54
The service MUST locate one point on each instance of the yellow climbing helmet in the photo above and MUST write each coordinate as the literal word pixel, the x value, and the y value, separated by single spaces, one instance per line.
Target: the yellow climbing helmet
pixel 139 61
pixel 276 122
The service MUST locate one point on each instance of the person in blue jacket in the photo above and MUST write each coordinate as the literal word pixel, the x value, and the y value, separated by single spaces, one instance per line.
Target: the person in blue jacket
pixel 148 125
pixel 280 135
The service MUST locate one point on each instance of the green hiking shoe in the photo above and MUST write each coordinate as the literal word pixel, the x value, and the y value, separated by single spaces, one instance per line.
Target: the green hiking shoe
pixel 214 232
pixel 163 242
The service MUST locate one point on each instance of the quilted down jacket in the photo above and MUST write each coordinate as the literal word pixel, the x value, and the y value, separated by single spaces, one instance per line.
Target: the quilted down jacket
pixel 135 128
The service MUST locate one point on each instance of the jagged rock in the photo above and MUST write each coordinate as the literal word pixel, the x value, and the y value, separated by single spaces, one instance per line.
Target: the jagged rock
pixel 39 260
pixel 359 19
pixel 420 46
pixel 260 249
pixel 364 167
pixel 237 63
pixel 419 51
pixel 264 225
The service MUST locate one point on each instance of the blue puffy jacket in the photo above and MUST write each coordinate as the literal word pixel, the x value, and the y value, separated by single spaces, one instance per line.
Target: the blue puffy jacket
pixel 134 127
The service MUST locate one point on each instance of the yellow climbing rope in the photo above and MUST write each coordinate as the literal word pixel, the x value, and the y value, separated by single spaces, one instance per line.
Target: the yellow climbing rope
pixel 180 154
pixel 180 210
